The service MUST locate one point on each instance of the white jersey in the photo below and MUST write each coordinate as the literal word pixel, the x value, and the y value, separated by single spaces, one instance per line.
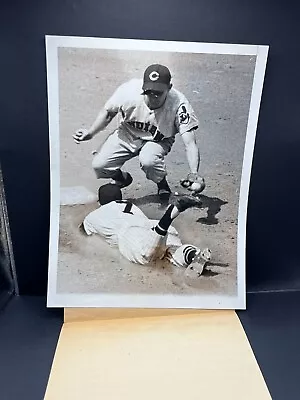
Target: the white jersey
pixel 108 219
pixel 176 115
pixel 123 224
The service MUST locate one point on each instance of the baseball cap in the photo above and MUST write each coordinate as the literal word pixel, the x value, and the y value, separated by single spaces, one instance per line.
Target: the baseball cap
pixel 156 77
pixel 108 193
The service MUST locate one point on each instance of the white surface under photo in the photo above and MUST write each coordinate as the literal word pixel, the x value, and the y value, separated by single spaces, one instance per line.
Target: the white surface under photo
pixel 151 148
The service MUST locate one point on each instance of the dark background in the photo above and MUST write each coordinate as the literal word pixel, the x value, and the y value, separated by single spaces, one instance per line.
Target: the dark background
pixel 272 257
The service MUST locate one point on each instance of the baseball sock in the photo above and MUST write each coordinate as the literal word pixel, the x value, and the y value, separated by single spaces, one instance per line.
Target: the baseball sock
pixel 171 213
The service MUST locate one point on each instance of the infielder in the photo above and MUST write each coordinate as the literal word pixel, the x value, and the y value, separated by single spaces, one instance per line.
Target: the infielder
pixel 138 238
pixel 152 113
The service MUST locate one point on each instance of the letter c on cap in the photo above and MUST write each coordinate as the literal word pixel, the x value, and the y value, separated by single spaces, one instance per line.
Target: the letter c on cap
pixel 154 76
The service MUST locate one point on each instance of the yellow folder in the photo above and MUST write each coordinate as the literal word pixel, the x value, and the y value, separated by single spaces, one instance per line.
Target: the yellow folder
pixel 119 354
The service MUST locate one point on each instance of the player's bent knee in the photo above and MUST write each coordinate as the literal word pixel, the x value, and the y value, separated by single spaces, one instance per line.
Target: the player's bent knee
pixel 153 166
pixel 97 162
pixel 147 160
pixel 99 167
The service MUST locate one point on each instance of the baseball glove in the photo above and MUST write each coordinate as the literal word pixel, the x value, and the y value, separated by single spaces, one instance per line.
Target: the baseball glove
pixel 194 183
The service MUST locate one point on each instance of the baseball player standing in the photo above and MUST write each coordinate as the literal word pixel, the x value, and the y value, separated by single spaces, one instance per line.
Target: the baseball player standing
pixel 138 238
pixel 152 113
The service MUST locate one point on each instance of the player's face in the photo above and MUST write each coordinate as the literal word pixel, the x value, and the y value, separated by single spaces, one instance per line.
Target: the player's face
pixel 155 99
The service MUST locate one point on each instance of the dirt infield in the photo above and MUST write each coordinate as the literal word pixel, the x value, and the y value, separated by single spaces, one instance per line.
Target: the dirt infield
pixel 219 88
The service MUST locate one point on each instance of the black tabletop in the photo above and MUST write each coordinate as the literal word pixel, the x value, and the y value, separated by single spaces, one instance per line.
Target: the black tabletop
pixel 28 338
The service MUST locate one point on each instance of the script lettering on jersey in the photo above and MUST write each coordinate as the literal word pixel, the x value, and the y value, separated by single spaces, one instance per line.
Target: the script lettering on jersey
pixel 147 127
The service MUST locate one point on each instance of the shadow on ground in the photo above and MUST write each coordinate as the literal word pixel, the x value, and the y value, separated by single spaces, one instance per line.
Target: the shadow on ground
pixel 213 205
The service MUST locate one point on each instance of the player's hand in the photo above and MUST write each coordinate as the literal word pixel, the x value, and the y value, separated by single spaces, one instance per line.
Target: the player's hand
pixel 82 135
pixel 194 183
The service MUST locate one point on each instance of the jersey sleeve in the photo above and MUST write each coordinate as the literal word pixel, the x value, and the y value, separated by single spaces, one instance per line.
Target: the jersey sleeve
pixel 89 227
pixel 186 119
pixel 124 96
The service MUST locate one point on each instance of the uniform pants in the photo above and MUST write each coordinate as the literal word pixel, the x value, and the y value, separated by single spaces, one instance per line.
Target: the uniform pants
pixel 118 149
pixel 142 245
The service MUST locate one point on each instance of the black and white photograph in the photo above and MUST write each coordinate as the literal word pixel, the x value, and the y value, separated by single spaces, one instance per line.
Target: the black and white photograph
pixel 151 148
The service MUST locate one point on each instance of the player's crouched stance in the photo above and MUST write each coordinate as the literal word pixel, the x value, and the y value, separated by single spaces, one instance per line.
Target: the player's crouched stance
pixel 138 238
pixel 151 115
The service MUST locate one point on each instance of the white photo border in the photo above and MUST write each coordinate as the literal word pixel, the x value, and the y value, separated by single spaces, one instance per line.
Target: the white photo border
pixel 149 301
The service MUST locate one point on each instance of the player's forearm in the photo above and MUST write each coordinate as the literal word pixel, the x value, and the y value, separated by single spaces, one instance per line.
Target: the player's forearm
pixel 101 122
pixel 193 157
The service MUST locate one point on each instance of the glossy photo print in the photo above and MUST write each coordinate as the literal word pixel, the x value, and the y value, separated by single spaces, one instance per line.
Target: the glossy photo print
pixel 151 147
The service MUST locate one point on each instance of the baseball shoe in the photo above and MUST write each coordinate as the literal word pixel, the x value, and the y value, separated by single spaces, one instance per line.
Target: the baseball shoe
pixel 163 189
pixel 125 181
pixel 185 202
